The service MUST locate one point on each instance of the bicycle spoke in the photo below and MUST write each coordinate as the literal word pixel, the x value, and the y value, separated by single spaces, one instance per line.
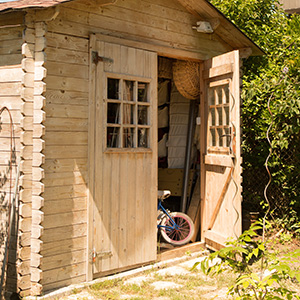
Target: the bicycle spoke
pixel 178 234
pixel 177 230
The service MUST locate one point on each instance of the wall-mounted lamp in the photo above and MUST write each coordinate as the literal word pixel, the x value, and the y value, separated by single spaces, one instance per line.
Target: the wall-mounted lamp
pixel 204 27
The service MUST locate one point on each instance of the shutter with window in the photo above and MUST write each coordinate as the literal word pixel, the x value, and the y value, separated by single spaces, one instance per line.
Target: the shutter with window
pixel 220 147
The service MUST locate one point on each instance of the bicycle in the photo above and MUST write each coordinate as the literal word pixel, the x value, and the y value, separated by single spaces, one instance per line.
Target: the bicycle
pixel 176 228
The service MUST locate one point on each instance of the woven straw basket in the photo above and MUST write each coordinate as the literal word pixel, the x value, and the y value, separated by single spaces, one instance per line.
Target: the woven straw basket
pixel 186 76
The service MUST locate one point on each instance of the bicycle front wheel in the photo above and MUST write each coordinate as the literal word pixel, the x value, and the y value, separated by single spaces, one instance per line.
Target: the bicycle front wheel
pixel 180 236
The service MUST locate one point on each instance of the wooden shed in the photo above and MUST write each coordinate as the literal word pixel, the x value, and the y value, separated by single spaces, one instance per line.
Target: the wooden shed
pixel 82 80
pixel 291 6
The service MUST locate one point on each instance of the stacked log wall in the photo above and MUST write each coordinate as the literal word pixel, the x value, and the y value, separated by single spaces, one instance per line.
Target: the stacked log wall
pixel 66 146
pixel 11 76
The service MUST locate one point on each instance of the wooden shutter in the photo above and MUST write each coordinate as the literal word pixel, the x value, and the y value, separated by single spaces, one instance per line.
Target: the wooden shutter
pixel 220 149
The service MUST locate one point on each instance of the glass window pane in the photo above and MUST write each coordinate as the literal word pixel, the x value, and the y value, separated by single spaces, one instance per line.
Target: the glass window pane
pixel 142 115
pixel 220 116
pixel 220 94
pixel 113 113
pixel 113 137
pixel 212 137
pixel 112 88
pixel 220 137
pixel 128 114
pixel 128 90
pixel 212 117
pixel 226 91
pixel 228 137
pixel 143 137
pixel 226 115
pixel 211 96
pixel 143 92
pixel 128 138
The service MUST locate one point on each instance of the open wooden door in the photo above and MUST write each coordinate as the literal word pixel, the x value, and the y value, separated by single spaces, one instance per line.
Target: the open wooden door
pixel 220 147
pixel 125 157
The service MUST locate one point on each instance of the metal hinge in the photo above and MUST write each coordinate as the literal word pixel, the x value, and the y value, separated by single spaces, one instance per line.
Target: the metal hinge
pixel 101 254
pixel 96 58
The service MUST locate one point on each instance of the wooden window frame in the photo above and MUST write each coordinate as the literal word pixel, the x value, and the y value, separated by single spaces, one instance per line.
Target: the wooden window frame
pixel 136 105
pixel 219 149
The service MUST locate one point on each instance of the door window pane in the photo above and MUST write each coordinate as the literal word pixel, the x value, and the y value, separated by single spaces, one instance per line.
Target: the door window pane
pixel 226 120
pixel 128 137
pixel 142 115
pixel 219 116
pixel 113 137
pixel 112 88
pixel 143 138
pixel 113 113
pixel 212 137
pixel 220 137
pixel 226 91
pixel 128 90
pixel 212 117
pixel 228 137
pixel 219 91
pixel 128 114
pixel 211 96
pixel 143 92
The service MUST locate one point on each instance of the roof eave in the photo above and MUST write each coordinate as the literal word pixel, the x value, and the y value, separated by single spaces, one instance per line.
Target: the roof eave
pixel 206 11
pixel 227 30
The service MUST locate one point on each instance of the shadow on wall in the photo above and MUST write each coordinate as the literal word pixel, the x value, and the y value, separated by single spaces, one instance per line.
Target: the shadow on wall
pixel 65 186
pixel 11 39
pixel 8 224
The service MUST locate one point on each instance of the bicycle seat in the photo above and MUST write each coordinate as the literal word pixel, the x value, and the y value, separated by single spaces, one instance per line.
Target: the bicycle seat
pixel 163 194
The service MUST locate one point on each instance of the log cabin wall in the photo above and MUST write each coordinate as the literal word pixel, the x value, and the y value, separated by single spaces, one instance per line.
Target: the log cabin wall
pixel 17 79
pixel 22 87
pixel 30 157
pixel 64 239
pixel 11 76
pixel 25 221
pixel 58 39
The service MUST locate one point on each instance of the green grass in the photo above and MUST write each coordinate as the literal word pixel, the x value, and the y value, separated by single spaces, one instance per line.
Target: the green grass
pixel 191 287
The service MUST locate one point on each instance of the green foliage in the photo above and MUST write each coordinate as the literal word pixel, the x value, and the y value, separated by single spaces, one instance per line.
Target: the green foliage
pixel 260 273
pixel 296 228
pixel 274 76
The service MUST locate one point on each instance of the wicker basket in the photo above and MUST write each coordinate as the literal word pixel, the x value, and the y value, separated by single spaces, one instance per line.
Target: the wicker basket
pixel 186 76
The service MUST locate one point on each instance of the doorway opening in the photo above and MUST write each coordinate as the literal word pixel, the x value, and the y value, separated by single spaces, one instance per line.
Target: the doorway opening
pixel 179 137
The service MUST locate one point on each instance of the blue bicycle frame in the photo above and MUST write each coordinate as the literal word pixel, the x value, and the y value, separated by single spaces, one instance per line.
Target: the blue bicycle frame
pixel 174 225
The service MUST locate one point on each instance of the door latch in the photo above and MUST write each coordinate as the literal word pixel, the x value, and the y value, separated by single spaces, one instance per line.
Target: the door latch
pixel 96 58
pixel 101 254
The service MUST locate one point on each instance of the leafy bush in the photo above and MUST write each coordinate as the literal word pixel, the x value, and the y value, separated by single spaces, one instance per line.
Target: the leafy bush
pixel 261 274
pixel 274 76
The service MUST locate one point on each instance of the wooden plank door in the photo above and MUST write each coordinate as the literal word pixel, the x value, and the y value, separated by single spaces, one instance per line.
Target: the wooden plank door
pixel 220 148
pixel 125 160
